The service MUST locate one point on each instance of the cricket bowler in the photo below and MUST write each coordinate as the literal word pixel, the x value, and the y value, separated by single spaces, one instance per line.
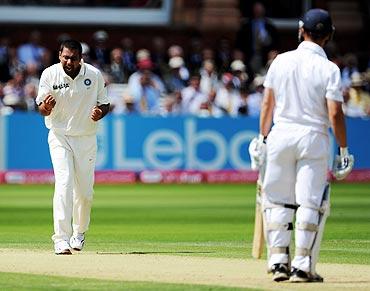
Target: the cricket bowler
pixel 302 99
pixel 72 97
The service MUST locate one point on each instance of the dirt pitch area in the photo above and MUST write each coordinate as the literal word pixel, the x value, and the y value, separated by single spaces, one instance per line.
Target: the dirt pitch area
pixel 176 269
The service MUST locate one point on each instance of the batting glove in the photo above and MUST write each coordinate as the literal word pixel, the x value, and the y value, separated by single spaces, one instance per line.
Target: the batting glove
pixel 343 164
pixel 257 152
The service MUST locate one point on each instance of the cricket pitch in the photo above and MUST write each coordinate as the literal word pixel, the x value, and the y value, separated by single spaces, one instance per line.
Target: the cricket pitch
pixel 175 269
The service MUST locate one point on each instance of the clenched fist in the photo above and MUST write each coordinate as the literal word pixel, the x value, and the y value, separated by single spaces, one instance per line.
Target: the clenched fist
pixel 47 105
pixel 96 113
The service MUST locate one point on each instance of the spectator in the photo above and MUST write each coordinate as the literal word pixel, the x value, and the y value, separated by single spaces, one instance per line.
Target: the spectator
pixel 175 51
pixel 208 77
pixel 116 66
pixel 46 60
pixel 32 51
pixel 146 88
pixel 192 96
pixel 32 74
pixel 208 54
pixel 30 94
pixel 144 63
pixel 175 81
pixel 357 99
pixel 350 66
pixel 14 64
pixel 173 104
pixel 270 58
pixel 128 56
pixel 243 109
pixel 240 75
pixel 255 99
pixel 14 92
pixel 210 108
pixel 227 97
pixel 129 105
pixel 256 37
pixel 86 52
pixel 159 56
pixel 99 52
pixel 223 55
pixel 195 58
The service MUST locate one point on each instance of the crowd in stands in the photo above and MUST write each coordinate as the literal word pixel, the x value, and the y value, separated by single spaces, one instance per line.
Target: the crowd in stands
pixel 165 80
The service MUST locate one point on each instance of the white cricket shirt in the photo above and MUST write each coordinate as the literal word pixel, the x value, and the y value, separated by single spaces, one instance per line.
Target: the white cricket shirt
pixel 302 80
pixel 75 99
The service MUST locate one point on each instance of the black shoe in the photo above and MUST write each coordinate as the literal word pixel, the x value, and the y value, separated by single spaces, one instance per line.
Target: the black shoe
pixel 299 276
pixel 280 272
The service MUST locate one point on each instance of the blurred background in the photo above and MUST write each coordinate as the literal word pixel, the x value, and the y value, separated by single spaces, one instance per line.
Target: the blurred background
pixel 185 79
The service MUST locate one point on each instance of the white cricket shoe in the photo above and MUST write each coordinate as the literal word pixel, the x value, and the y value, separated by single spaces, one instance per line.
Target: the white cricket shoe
pixel 62 248
pixel 77 241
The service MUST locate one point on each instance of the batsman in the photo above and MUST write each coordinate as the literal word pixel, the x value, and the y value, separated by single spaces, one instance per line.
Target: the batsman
pixel 302 100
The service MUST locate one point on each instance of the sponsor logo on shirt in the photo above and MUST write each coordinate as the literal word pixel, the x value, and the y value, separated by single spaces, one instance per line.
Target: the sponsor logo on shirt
pixel 60 86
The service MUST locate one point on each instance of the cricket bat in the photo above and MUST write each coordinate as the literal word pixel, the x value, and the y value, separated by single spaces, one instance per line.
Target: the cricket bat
pixel 258 235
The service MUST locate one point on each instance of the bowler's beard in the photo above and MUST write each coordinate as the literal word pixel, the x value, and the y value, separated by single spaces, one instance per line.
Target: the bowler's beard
pixel 72 71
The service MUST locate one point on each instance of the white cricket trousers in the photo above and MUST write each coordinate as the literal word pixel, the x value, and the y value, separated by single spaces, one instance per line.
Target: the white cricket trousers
pixel 73 159
pixel 296 173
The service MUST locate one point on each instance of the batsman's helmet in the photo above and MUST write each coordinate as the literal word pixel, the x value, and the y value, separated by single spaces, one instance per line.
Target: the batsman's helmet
pixel 317 22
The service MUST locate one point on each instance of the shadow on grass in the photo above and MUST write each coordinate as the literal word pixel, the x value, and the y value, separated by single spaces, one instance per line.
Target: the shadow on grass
pixel 152 253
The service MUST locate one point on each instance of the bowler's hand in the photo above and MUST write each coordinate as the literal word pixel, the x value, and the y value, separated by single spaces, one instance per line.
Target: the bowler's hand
pixel 49 102
pixel 47 105
pixel 96 113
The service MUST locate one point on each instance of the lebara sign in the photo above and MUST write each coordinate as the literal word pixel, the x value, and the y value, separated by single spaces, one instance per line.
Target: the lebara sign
pixel 137 143
pixel 129 144
pixel 176 143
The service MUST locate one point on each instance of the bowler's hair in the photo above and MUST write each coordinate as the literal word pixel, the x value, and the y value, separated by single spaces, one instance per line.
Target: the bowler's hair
pixel 72 45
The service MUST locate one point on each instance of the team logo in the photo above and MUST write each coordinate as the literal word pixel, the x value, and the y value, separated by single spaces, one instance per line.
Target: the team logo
pixel 87 82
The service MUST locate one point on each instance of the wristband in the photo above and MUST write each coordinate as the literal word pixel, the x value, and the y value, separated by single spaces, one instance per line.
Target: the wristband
pixel 343 151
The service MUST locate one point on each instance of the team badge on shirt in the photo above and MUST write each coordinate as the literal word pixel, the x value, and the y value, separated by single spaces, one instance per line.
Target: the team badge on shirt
pixel 87 82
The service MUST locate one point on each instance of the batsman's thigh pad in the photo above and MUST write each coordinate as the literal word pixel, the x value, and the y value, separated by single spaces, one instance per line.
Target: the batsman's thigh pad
pixel 278 231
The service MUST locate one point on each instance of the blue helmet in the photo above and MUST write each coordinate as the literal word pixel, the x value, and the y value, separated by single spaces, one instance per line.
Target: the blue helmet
pixel 317 21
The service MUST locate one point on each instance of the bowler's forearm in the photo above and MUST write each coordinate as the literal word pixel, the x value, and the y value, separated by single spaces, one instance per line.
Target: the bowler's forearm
pixel 105 109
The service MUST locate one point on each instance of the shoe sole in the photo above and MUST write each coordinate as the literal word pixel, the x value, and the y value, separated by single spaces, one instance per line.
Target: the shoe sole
pixel 296 279
pixel 65 252
pixel 280 277
pixel 305 280
pixel 79 249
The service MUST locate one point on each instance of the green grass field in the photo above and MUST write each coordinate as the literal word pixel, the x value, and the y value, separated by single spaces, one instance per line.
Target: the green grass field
pixel 195 220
